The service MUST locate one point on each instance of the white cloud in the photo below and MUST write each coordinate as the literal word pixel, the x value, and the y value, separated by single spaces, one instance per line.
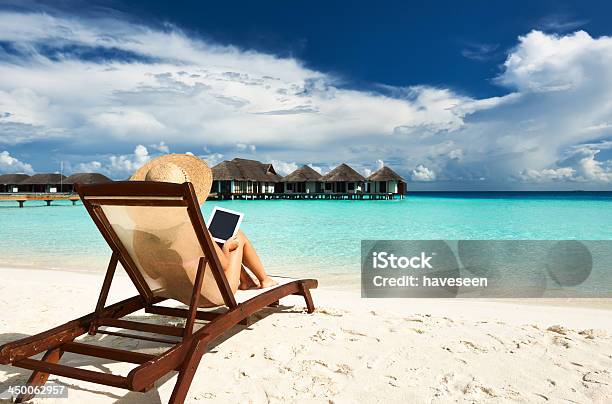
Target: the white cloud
pixel 578 164
pixel 23 105
pixel 479 51
pixel 547 174
pixel 212 159
pixel 194 91
pixel 582 158
pixel 317 169
pixel 543 62
pixel 119 166
pixel 161 147
pixel 91 167
pixel 10 164
pixel 422 173
pixel 367 171
pixel 250 148
pixel 130 163
pixel 560 23
pixel 456 154
pixel 128 123
pixel 283 168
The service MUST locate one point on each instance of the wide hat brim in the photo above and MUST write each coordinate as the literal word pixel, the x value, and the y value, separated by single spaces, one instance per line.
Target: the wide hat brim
pixel 198 172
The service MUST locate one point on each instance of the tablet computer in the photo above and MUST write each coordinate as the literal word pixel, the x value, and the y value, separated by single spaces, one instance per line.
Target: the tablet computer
pixel 223 224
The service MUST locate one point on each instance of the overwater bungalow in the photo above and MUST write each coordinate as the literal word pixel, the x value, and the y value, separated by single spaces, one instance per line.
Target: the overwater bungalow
pixel 84 178
pixel 44 183
pixel 343 179
pixel 386 181
pixel 9 183
pixel 242 177
pixel 303 180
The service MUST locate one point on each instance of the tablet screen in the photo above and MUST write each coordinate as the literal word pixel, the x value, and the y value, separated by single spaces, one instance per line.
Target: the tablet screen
pixel 223 224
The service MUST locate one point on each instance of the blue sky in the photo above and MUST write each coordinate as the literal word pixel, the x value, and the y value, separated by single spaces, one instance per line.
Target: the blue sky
pixel 452 95
pixel 460 44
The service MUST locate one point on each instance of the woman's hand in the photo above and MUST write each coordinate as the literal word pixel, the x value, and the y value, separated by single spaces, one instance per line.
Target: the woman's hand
pixel 231 244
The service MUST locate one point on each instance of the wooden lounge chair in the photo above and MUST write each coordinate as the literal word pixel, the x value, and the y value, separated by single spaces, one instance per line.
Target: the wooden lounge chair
pixel 121 212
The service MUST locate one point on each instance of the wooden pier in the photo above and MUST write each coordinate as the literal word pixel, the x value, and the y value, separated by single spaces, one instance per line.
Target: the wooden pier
pixel 22 198
pixel 306 195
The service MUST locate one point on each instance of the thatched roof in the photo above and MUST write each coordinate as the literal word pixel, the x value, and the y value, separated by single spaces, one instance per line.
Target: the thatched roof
pixel 302 174
pixel 7 179
pixel 385 174
pixel 245 170
pixel 44 179
pixel 342 173
pixel 87 178
pixel 226 170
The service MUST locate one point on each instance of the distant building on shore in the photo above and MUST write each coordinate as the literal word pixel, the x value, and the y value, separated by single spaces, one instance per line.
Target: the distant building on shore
pixel 85 178
pixel 386 180
pixel 242 176
pixel 244 179
pixel 343 179
pixel 48 183
pixel 303 180
pixel 9 183
pixel 43 183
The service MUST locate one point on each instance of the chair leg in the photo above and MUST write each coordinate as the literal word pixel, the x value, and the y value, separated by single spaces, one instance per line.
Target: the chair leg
pixel 185 376
pixel 38 378
pixel 310 308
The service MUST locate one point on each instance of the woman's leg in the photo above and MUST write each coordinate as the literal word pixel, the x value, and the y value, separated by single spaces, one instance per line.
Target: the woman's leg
pixel 251 260
pixel 237 251
pixel 246 281
pixel 230 258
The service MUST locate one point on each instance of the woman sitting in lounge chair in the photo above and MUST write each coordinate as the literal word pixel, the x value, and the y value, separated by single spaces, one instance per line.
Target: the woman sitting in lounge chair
pixel 237 252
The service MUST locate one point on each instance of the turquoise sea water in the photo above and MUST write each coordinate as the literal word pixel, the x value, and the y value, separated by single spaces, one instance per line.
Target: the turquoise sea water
pixel 321 238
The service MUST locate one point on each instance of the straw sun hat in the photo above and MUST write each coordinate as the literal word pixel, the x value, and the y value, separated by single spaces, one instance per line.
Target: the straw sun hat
pixel 178 168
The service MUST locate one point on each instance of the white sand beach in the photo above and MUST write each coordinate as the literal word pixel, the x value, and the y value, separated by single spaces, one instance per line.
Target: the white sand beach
pixel 349 350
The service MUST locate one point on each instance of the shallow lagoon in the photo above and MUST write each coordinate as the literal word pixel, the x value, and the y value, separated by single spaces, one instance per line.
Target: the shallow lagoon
pixel 321 238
